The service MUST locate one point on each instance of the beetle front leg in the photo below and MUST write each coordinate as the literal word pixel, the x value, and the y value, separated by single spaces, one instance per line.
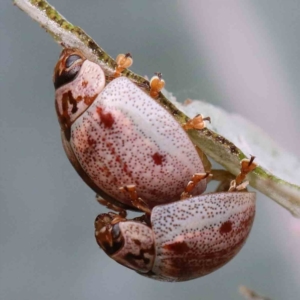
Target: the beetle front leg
pixel 196 123
pixel 124 61
pixel 136 201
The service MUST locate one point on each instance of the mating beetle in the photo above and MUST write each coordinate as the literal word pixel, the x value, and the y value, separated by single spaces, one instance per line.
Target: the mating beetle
pixel 135 155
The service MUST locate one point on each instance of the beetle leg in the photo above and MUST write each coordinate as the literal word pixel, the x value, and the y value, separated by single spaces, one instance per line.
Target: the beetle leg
pixel 156 85
pixel 124 61
pixel 247 166
pixel 197 177
pixel 122 212
pixel 196 123
pixel 135 200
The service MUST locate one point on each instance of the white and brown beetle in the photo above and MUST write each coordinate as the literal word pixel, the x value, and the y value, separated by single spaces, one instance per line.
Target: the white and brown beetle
pixel 115 134
pixel 134 154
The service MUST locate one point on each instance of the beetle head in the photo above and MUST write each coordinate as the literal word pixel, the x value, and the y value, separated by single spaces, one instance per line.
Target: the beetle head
pixel 77 83
pixel 107 234
pixel 129 243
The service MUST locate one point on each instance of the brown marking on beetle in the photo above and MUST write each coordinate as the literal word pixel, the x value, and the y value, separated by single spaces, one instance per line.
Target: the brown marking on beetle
pixel 64 123
pixel 158 159
pixel 67 98
pixel 64 118
pixel 137 242
pixel 226 227
pixel 89 100
pixel 84 84
pixel 134 258
pixel 178 247
pixel 106 118
pixel 73 102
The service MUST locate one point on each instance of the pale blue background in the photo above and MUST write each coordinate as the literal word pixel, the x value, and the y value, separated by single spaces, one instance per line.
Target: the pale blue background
pixel 47 246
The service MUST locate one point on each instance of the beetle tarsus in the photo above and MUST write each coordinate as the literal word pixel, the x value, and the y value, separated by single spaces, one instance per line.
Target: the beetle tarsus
pixel 156 85
pixel 247 166
pixel 124 61
pixel 198 123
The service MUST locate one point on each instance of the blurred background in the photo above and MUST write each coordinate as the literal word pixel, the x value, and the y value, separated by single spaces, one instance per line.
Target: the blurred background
pixel 240 55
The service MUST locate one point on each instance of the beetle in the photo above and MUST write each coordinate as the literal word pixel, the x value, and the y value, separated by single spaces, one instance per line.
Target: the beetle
pixel 134 154
pixel 185 239
pixel 115 134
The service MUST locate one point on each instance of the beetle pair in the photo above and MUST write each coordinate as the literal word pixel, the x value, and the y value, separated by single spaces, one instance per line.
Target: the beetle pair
pixel 132 152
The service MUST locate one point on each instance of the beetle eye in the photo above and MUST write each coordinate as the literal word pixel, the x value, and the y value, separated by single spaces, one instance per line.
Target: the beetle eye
pixel 71 59
pixel 117 240
pixel 116 232
pixel 67 72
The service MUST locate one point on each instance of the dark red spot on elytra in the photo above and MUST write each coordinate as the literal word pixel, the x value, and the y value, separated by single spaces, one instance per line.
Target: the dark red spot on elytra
pixel 91 141
pixel 177 247
pixel 157 158
pixel 226 227
pixel 105 118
